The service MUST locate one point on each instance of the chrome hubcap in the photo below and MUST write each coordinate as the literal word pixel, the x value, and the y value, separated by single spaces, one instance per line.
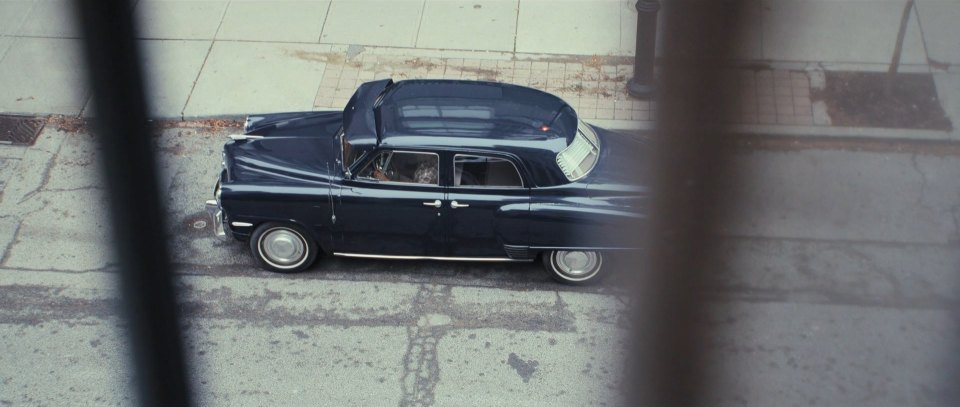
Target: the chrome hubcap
pixel 577 264
pixel 282 247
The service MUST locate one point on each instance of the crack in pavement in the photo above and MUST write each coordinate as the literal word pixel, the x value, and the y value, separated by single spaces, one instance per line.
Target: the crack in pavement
pixel 16 234
pixel 86 188
pixel 16 210
pixel 51 161
pixel 44 179
pixel 421 371
pixel 13 241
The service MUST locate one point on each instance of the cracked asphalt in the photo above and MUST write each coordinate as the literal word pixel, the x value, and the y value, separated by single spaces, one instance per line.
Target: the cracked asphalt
pixel 835 287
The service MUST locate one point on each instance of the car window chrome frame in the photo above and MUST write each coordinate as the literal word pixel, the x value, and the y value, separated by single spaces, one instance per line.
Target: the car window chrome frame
pixel 523 183
pixel 380 182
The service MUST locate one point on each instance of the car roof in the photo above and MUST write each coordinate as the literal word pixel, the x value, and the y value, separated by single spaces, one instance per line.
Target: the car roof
pixel 454 112
pixel 467 115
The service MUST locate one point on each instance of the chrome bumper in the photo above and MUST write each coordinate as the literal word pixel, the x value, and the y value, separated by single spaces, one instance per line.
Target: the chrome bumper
pixel 220 229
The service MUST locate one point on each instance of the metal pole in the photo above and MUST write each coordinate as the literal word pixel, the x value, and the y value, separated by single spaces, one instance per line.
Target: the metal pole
pixel 642 85
pixel 129 167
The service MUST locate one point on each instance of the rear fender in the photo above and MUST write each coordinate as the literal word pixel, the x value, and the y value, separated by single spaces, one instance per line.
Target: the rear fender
pixel 575 226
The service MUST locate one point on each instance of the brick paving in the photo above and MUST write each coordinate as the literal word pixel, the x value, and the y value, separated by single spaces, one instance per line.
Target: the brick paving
pixel 593 86
pixel 767 97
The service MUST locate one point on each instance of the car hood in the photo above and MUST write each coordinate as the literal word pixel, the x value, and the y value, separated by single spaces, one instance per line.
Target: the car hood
pixel 297 123
pixel 285 147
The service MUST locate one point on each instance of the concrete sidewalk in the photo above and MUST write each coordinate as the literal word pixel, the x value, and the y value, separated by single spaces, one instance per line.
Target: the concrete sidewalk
pixel 214 58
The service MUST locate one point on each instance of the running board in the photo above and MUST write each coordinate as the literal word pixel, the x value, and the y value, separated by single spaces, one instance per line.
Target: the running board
pixel 383 256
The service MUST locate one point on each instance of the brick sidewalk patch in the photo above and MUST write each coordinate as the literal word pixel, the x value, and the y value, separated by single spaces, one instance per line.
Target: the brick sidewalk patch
pixel 767 97
pixel 595 87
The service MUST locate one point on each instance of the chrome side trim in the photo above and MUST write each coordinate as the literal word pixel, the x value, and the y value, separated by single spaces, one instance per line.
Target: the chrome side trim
pixel 393 257
pixel 408 184
pixel 584 248
pixel 238 137
pixel 241 224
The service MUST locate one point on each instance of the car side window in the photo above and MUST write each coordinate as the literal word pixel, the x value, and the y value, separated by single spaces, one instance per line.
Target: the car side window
pixel 480 171
pixel 403 166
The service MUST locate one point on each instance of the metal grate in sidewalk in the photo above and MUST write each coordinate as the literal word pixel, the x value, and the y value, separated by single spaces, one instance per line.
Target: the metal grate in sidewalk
pixel 19 130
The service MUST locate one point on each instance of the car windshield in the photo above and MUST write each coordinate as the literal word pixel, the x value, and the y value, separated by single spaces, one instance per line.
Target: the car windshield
pixel 348 153
pixel 580 156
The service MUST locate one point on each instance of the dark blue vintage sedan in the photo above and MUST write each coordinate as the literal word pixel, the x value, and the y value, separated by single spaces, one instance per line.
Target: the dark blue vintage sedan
pixel 432 169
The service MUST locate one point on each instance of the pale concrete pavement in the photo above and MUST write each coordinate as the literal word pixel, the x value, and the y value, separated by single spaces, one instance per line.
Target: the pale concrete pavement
pixel 214 58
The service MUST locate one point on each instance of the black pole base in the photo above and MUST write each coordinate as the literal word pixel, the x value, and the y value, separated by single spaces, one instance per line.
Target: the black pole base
pixel 641 90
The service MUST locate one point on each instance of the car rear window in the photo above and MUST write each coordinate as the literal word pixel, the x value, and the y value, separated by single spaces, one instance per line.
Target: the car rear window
pixel 580 156
pixel 479 171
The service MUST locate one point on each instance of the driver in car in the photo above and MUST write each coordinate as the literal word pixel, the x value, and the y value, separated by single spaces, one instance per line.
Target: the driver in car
pixel 425 173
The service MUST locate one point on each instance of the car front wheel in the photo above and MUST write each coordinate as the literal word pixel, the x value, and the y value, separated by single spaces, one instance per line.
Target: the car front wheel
pixel 282 248
pixel 573 266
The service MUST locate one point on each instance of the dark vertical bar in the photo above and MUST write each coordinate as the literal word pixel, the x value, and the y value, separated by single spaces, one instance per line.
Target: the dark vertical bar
pixel 136 212
pixel 670 337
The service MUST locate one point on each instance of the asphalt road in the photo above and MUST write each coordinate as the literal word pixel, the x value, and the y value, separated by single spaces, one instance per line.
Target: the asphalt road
pixel 835 287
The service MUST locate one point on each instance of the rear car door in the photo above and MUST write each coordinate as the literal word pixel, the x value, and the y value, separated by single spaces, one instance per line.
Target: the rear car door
pixel 392 207
pixel 488 204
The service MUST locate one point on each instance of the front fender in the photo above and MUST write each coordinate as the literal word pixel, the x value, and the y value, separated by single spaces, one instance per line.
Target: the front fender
pixel 306 206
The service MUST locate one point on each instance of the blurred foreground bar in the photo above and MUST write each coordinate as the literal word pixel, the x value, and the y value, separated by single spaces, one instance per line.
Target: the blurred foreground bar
pixel 669 335
pixel 129 167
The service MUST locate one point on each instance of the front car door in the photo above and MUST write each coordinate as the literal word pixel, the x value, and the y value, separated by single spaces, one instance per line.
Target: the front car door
pixel 392 206
pixel 488 204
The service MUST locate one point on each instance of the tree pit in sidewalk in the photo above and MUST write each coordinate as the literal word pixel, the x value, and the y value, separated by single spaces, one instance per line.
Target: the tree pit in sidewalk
pixel 861 99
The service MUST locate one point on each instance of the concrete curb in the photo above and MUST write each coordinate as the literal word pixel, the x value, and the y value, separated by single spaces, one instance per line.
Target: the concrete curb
pixel 803 131
pixel 759 129
pixel 845 132
pixel 865 133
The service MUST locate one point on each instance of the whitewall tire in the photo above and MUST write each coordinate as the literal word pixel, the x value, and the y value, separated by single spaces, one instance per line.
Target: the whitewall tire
pixel 573 266
pixel 282 248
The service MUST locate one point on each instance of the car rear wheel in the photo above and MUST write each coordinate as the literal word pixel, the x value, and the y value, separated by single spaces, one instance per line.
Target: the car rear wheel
pixel 573 266
pixel 282 248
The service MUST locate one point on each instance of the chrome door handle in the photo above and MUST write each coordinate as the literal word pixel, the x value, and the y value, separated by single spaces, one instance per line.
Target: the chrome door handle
pixel 456 205
pixel 435 204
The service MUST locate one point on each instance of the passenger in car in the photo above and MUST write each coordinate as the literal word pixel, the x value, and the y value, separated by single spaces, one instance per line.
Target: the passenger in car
pixel 426 173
